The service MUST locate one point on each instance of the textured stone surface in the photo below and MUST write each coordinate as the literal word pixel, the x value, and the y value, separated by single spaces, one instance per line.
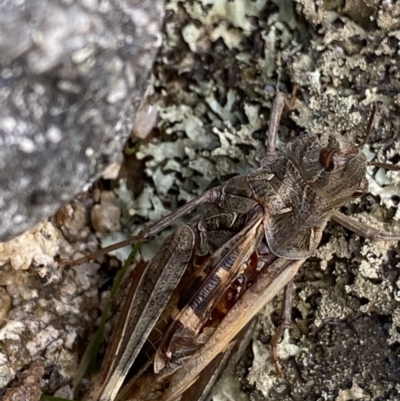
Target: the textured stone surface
pixel 27 386
pixel 72 75
pixel 214 83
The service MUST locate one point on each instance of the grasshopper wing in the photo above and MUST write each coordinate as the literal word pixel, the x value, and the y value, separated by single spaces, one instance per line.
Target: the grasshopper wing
pixel 142 310
pixel 226 263
pixel 252 302
pixel 223 364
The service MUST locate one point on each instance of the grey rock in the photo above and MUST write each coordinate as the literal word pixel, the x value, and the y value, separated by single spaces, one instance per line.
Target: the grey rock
pixel 72 74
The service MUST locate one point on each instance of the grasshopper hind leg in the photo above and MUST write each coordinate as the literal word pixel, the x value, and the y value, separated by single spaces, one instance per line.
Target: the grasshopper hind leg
pixel 286 320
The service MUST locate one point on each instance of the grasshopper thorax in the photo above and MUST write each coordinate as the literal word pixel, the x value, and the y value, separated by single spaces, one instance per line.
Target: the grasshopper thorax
pixel 331 165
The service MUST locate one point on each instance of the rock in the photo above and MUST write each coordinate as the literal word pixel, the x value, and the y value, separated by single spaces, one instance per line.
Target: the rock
pixel 72 75
pixel 27 387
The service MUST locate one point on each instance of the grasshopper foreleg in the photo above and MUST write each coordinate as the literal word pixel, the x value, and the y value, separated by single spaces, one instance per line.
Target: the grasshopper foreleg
pixel 280 102
pixel 364 230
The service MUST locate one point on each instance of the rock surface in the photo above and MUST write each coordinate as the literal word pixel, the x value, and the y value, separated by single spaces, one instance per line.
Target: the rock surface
pixel 215 78
pixel 72 75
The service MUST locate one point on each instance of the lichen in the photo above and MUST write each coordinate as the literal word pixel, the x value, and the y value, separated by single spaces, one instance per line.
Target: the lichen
pixel 214 81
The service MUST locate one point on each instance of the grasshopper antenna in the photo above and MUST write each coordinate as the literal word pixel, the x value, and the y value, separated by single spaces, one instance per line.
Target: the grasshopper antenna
pixel 387 166
pixel 369 127
pixel 369 130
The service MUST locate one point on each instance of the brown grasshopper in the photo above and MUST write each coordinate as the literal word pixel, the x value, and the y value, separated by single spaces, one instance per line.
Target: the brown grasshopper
pixel 230 261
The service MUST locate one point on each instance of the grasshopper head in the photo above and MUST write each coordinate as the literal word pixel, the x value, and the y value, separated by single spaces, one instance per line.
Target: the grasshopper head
pixel 331 165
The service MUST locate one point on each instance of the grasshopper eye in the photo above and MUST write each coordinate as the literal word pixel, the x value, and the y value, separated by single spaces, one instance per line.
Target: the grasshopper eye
pixel 327 158
pixel 333 158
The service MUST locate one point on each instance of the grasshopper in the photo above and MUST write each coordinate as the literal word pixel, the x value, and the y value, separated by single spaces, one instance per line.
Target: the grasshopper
pixel 230 261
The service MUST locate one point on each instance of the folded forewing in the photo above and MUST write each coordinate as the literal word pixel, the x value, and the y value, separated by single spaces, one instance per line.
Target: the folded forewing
pixel 227 262
pixel 255 298
pixel 142 311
